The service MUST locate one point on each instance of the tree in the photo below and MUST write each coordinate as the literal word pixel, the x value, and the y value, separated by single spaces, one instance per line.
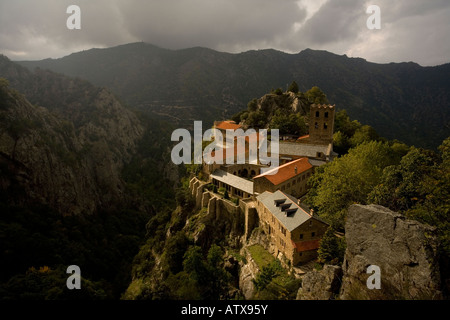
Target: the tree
pixel 277 91
pixel 193 263
pixel 226 195
pixel 419 187
pixel 315 95
pixel 343 124
pixel 292 123
pixel 256 120
pixel 174 252
pixel 294 87
pixel 331 249
pixel 218 277
pixel 347 180
pixel 252 106
pixel 266 275
pixel 401 186
pixel 340 143
pixel 363 134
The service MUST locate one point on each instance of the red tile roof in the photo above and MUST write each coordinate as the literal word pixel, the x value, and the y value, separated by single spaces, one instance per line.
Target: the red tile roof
pixel 235 152
pixel 258 137
pixel 303 137
pixel 306 245
pixel 224 125
pixel 287 171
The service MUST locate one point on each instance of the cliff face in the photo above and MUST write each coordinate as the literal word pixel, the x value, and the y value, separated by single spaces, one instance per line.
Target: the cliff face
pixel 405 251
pixel 321 285
pixel 68 153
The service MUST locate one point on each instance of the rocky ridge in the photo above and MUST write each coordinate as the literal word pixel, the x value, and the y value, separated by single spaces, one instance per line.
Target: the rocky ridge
pixel 63 151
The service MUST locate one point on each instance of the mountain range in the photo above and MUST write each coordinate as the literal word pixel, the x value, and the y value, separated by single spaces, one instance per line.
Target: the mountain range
pixel 403 101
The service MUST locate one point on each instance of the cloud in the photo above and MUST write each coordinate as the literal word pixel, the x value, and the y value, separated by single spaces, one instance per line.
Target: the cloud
pixel 411 29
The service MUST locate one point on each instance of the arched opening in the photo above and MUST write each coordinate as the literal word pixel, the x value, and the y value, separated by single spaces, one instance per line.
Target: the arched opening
pixel 244 173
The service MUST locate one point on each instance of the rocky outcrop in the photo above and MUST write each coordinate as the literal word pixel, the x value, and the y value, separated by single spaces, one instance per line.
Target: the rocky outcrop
pixel 404 250
pixel 321 285
pixel 247 274
pixel 222 221
pixel 70 156
pixel 288 101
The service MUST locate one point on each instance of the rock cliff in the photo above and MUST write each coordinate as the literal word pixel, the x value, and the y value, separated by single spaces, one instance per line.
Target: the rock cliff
pixel 321 285
pixel 405 251
pixel 67 152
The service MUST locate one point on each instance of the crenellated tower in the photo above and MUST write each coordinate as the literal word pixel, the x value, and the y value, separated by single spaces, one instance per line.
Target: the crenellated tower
pixel 321 123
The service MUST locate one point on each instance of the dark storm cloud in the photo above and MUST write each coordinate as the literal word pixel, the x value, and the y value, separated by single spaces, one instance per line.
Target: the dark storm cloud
pixel 411 29
pixel 335 21
pixel 211 23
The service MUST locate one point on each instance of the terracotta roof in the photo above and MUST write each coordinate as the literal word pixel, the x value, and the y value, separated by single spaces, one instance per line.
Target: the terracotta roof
pixel 235 152
pixel 303 137
pixel 287 171
pixel 306 245
pixel 224 125
pixel 246 146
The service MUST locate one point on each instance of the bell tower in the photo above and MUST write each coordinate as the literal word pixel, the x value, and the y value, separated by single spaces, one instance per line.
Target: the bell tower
pixel 321 123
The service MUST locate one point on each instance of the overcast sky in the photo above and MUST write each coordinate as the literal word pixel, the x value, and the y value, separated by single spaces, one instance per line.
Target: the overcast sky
pixel 411 30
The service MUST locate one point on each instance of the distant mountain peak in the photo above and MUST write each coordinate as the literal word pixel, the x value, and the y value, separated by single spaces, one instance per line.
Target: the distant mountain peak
pixel 400 100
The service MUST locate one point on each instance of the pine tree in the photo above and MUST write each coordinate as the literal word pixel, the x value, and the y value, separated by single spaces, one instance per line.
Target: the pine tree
pixel 293 87
pixel 331 250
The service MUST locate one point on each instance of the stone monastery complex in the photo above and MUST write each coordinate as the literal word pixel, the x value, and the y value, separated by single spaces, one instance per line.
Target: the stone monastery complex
pixel 273 201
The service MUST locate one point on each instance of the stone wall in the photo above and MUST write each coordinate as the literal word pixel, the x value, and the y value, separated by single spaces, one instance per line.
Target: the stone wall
pixel 197 186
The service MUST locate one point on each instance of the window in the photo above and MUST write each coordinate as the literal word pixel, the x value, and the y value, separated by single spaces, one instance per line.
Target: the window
pixel 310 223
pixel 300 254
pixel 326 114
pixel 313 234
pixel 316 125
pixel 301 236
pixel 325 126
pixel 317 114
